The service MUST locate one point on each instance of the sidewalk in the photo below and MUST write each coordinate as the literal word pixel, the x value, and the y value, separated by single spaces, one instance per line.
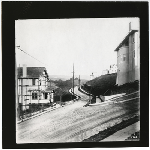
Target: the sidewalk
pixel 46 110
pixel 123 134
pixel 38 113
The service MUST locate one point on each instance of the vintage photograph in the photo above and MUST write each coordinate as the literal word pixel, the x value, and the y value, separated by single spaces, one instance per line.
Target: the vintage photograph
pixel 77 80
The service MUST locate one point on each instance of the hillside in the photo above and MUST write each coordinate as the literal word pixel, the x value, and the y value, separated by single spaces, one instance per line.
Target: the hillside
pixel 100 85
pixel 63 90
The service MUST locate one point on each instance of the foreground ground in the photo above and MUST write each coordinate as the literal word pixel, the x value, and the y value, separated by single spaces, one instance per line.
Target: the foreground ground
pixel 75 123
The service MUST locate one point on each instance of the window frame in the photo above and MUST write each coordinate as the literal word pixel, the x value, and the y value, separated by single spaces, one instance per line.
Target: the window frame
pixel 34 96
pixel 45 95
pixel 124 57
pixel 133 40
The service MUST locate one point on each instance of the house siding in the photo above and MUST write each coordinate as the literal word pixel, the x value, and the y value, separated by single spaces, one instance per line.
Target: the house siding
pixel 26 88
pixel 122 72
pixel 129 69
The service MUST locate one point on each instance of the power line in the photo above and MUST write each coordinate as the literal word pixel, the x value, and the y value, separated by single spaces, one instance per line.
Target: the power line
pixel 31 55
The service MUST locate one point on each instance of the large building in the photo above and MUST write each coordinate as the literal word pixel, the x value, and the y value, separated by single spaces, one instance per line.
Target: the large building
pixel 33 86
pixel 128 57
pixel 113 69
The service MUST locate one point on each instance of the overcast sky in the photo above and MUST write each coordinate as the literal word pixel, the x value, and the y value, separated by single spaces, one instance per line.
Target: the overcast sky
pixel 88 43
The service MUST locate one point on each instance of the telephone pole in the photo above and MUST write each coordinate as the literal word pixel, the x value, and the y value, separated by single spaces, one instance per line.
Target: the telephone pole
pixel 73 79
pixel 79 81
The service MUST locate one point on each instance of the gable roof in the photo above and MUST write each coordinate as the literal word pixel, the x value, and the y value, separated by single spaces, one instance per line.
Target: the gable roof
pixel 125 39
pixel 32 72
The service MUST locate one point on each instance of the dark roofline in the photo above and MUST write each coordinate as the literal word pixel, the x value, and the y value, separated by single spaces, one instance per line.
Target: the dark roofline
pixel 32 72
pixel 125 39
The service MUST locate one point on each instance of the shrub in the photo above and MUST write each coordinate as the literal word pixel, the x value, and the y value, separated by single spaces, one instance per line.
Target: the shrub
pixel 67 97
pixel 125 88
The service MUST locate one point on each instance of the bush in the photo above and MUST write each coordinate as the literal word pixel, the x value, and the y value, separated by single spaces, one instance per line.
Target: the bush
pixel 67 97
pixel 125 88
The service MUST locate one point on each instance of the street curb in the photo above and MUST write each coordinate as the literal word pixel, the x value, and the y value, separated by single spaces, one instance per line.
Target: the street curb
pixel 45 111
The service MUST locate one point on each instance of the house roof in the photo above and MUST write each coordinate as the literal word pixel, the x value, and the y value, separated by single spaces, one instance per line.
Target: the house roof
pixel 32 72
pixel 125 39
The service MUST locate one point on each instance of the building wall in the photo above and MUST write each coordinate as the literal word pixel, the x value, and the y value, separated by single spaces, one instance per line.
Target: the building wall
pixel 122 65
pixel 137 56
pixel 25 96
pixel 129 68
pixel 131 58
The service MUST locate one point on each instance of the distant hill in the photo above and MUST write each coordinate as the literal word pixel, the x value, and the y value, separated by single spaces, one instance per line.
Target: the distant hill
pixel 100 85
pixel 65 77
pixel 59 77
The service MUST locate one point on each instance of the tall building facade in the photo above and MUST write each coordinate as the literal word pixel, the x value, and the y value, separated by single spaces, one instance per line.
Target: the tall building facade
pixel 128 58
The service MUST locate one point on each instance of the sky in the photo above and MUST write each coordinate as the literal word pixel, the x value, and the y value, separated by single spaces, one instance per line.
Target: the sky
pixel 58 43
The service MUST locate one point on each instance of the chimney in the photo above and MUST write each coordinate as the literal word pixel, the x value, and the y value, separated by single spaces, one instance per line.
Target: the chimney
pixel 24 70
pixel 129 26
pixel 134 25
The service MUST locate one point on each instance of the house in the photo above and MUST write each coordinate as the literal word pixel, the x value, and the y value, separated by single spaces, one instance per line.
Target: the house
pixel 128 57
pixel 105 72
pixel 92 76
pixel 33 85
pixel 113 69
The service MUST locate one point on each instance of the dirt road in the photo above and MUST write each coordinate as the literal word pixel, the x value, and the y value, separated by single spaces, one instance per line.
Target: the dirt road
pixel 74 123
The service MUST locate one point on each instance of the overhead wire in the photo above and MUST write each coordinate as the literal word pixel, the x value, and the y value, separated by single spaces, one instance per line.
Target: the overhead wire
pixel 35 59
pixel 31 56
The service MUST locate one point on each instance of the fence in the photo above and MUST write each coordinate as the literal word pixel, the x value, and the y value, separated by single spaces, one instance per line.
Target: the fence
pixel 32 109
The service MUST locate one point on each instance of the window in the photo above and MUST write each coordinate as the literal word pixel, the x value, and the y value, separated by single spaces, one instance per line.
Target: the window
pixel 34 95
pixel 40 82
pixel 33 81
pixel 133 40
pixel 45 95
pixel 134 54
pixel 124 57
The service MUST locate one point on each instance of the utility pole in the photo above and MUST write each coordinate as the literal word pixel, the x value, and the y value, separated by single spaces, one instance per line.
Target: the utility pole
pixel 79 81
pixel 73 79
pixel 16 88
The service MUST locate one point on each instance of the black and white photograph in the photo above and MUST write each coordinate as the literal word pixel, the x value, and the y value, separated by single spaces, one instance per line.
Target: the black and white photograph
pixel 77 80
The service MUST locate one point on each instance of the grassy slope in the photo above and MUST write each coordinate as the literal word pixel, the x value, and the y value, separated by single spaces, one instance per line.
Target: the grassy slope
pixel 101 84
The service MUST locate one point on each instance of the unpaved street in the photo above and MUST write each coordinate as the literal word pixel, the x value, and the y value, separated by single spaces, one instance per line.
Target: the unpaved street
pixel 74 123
